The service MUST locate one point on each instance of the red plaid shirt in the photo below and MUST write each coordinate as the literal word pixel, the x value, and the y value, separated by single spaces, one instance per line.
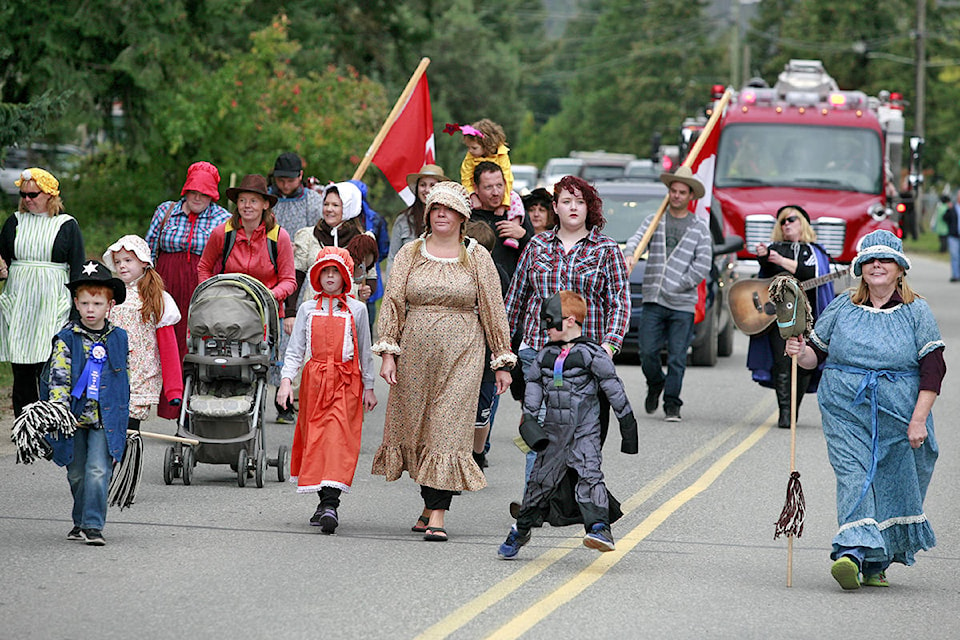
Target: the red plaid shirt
pixel 594 268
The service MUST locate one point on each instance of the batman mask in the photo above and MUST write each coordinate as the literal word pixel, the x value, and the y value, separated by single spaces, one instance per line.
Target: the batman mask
pixel 551 313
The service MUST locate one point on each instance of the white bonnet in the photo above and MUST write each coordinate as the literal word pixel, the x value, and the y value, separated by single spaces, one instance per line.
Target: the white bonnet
pixel 132 243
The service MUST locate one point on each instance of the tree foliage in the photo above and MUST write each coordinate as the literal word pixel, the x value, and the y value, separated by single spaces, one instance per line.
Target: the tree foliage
pixel 241 117
pixel 19 122
pixel 237 81
pixel 255 106
pixel 633 69
pixel 871 47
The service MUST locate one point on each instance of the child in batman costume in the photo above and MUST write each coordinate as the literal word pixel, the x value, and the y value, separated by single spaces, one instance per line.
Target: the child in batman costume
pixel 566 485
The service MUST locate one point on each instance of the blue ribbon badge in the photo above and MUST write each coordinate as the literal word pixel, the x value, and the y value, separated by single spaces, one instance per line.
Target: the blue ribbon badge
pixel 89 381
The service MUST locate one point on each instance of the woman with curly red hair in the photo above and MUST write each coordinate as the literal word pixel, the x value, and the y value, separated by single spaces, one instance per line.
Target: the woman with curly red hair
pixel 575 256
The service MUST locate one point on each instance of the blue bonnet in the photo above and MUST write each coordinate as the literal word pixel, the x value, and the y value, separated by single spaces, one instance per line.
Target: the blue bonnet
pixel 879 244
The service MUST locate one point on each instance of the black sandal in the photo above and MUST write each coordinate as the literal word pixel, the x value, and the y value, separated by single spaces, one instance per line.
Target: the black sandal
pixel 421 525
pixel 435 534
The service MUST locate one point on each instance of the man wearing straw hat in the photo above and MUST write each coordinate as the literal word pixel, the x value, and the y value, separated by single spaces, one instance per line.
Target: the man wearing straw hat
pixel 680 254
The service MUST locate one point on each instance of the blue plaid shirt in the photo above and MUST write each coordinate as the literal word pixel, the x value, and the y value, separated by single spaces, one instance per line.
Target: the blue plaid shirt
pixel 181 234
pixel 594 268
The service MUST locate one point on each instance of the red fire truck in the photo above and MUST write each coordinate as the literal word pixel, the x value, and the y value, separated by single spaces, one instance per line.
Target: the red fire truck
pixel 806 142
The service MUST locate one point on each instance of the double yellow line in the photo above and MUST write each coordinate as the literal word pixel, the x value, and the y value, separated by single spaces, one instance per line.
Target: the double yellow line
pixel 528 618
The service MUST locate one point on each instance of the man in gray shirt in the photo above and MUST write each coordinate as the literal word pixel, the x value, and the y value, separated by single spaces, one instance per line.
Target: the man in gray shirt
pixel 680 254
pixel 297 207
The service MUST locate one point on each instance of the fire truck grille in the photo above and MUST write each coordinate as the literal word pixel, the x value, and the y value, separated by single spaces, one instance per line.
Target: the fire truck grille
pixel 831 234
pixel 758 231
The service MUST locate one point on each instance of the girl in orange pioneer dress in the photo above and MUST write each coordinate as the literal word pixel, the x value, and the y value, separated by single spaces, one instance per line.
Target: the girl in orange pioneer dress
pixel 331 339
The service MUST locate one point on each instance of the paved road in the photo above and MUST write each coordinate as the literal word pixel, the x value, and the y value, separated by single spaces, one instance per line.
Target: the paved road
pixel 695 551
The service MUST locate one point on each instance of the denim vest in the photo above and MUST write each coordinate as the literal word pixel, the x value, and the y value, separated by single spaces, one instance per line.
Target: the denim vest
pixel 114 391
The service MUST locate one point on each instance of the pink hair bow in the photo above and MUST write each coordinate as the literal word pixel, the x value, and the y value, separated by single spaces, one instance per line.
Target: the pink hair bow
pixel 466 130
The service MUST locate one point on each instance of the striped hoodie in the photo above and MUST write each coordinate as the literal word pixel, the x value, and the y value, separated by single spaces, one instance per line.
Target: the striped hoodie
pixel 671 281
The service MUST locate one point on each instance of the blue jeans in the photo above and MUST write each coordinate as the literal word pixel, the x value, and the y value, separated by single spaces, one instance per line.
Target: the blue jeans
pixel 659 325
pixel 89 477
pixel 953 246
pixel 858 554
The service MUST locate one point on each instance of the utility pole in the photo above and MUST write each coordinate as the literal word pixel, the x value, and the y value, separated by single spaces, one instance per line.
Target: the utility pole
pixel 921 66
pixel 736 43
pixel 920 99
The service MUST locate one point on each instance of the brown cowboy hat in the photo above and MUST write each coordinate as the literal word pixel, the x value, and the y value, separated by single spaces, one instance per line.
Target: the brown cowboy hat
pixel 682 174
pixel 252 183
pixel 428 170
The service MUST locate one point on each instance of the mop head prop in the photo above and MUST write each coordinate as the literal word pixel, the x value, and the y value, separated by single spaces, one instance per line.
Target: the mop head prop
pixel 791 518
pixel 126 475
pixel 40 419
pixel 794 318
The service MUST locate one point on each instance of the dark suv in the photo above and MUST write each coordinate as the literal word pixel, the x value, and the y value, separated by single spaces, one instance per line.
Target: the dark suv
pixel 626 204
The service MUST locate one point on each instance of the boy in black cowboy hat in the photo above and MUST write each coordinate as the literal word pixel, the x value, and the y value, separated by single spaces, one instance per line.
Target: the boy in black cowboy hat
pixel 88 372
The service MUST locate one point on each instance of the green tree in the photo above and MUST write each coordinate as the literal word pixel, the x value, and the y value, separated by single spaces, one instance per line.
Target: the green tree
pixel 255 106
pixel 870 47
pixel 108 51
pixel 240 117
pixel 20 122
pixel 633 69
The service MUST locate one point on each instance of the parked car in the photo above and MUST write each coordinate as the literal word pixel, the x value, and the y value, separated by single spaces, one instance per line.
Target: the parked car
pixel 556 168
pixel 59 159
pixel 600 165
pixel 642 169
pixel 524 178
pixel 626 204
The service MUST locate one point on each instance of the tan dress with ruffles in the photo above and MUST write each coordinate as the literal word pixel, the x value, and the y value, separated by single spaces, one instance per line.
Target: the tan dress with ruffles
pixel 435 315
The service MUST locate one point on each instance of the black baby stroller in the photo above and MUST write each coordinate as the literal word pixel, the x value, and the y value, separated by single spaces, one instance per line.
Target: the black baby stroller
pixel 233 328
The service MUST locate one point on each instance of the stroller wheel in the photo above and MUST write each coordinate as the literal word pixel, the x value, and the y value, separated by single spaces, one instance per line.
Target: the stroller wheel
pixel 283 459
pixel 168 456
pixel 261 468
pixel 188 462
pixel 242 468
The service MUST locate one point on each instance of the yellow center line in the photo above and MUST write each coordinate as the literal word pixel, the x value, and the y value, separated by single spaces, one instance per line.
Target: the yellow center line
pixel 470 610
pixel 573 587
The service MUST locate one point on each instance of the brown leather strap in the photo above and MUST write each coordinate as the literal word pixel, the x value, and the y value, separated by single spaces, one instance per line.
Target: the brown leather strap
pixel 163 223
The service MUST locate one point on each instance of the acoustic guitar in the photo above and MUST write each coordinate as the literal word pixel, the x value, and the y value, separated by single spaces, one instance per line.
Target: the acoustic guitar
pixel 750 304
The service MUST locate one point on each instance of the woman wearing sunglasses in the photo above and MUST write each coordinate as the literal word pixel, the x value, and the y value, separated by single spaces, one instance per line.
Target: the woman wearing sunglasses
pixel 793 249
pixel 42 250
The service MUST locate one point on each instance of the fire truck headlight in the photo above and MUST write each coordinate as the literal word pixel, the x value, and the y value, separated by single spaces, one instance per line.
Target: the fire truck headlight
pixel 879 212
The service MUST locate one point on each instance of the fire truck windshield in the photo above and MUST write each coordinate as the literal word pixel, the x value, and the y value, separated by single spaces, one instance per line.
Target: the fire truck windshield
pixel 835 158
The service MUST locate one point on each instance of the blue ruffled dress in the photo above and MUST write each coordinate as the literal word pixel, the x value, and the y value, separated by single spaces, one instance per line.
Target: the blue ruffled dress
pixel 867 394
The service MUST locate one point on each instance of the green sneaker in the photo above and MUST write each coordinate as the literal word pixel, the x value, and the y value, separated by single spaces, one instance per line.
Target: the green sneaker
pixel 846 572
pixel 875 580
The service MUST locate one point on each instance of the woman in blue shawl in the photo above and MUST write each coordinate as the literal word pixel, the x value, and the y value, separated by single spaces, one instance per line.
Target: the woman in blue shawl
pixel 883 365
pixel 793 250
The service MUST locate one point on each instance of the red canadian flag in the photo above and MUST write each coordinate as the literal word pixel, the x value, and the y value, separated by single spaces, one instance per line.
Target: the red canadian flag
pixel 702 167
pixel 410 143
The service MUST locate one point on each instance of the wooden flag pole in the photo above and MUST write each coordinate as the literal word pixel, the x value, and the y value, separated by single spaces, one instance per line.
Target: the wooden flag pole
pixel 388 123
pixel 694 153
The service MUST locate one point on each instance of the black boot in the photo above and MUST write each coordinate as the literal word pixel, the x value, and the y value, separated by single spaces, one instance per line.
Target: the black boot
pixel 480 459
pixel 781 383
